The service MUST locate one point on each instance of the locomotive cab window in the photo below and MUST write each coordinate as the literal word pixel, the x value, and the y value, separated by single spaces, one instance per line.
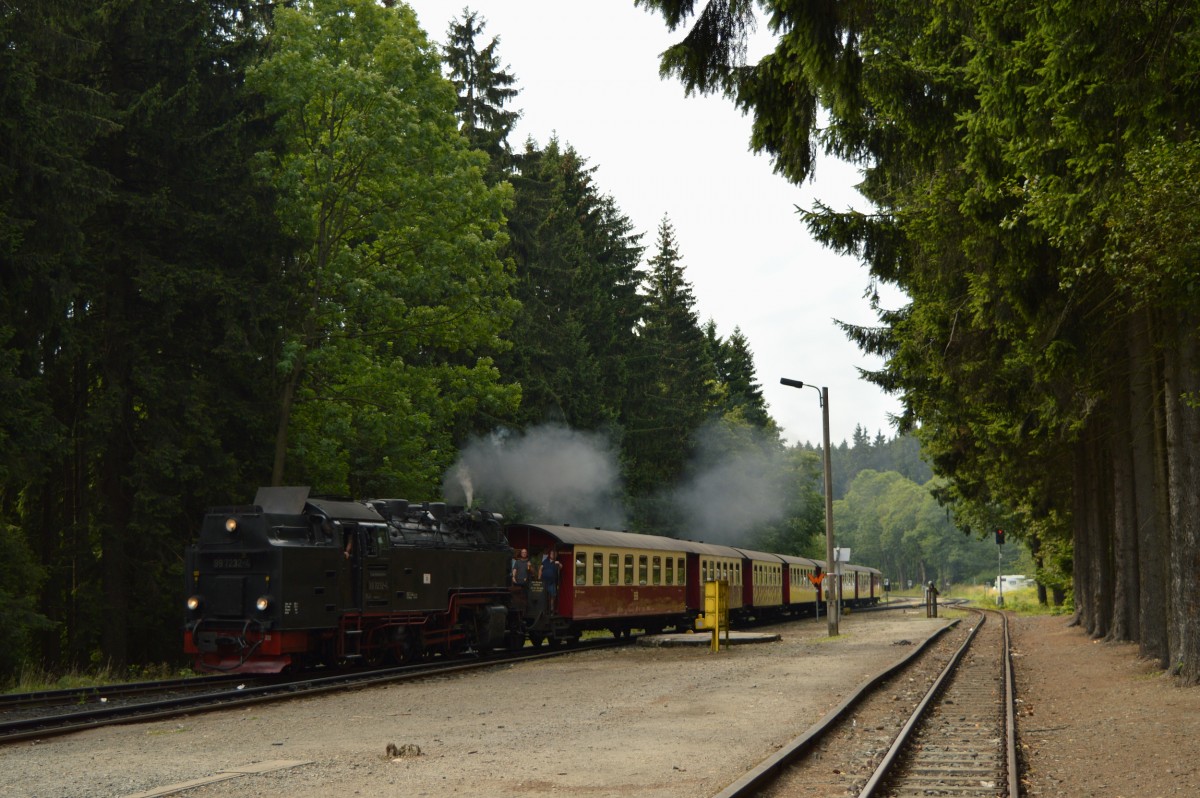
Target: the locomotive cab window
pixel 581 567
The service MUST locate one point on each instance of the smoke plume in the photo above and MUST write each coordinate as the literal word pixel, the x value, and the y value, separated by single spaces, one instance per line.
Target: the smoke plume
pixel 551 473
pixel 733 488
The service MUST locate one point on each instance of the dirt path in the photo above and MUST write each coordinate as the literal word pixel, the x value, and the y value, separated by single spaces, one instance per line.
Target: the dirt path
pixel 1097 721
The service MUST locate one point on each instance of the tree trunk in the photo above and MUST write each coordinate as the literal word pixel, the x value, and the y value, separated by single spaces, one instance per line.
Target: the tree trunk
pixel 1126 615
pixel 286 402
pixel 117 498
pixel 1081 571
pixel 1149 482
pixel 1182 388
pixel 1101 523
pixel 1093 568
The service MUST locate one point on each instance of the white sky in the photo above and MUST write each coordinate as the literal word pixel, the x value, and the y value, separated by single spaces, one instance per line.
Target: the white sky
pixel 588 71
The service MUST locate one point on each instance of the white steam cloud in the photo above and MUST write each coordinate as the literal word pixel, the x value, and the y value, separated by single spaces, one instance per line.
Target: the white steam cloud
pixel 554 474
pixel 737 483
pixel 733 490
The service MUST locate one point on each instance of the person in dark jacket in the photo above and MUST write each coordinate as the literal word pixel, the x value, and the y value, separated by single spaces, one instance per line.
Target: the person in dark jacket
pixel 550 573
pixel 520 570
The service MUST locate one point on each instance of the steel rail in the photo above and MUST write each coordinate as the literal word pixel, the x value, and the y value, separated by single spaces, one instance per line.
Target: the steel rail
pixel 78 695
pixel 768 770
pixel 893 753
pixel 890 759
pixel 38 728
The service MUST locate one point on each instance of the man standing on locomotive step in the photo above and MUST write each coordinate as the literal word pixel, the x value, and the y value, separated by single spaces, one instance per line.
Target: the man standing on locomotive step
pixel 520 571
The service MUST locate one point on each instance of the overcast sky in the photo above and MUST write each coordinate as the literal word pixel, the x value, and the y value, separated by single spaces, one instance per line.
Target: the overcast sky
pixel 588 72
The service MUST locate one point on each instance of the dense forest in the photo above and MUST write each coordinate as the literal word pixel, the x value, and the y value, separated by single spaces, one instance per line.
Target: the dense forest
pixel 248 244
pixel 1032 171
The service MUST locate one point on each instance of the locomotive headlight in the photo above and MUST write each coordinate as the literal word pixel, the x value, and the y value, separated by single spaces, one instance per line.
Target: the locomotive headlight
pixel 231 525
pixel 263 603
pixel 193 603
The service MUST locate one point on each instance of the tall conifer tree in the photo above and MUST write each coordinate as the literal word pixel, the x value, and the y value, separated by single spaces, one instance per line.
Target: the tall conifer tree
pixel 485 89
pixel 675 385
pixel 577 263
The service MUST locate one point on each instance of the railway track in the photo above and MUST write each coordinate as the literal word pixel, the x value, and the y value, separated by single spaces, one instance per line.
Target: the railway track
pixel 44 714
pixel 938 723
pixel 156 701
pixel 76 697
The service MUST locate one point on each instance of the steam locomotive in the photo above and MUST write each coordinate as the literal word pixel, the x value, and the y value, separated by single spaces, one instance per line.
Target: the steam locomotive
pixel 296 580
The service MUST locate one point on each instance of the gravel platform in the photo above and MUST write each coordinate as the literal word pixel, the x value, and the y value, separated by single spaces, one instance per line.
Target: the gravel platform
pixel 662 722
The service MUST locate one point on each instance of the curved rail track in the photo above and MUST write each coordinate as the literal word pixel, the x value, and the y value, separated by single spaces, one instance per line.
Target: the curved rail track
pixel 940 722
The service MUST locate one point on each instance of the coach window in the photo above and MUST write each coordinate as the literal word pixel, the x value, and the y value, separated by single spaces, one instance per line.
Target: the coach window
pixel 680 571
pixel 670 570
pixel 581 567
pixel 656 571
pixel 629 569
pixel 614 569
pixel 597 568
pixel 642 568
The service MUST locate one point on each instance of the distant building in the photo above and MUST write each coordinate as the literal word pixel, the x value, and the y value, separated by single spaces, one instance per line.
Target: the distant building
pixel 1012 581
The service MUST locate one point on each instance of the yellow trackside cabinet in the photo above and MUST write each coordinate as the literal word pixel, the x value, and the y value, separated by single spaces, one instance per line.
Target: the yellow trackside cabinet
pixel 716 611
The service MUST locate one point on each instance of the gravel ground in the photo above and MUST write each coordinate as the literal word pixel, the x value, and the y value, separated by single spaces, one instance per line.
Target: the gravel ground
pixel 645 721
pixel 1094 720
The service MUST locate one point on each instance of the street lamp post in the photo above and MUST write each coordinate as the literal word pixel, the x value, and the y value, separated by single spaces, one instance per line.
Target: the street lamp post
pixel 832 609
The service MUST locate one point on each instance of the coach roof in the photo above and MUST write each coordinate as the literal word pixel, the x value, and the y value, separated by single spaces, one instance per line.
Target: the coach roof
pixel 584 536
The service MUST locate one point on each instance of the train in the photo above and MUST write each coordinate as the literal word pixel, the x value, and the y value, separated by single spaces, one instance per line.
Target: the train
pixel 296 581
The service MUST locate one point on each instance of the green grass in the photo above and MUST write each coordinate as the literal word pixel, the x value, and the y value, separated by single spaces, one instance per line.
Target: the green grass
pixel 1022 600
pixel 34 679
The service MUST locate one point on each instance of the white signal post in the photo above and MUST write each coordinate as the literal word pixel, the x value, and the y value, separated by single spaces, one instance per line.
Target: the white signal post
pixel 833 611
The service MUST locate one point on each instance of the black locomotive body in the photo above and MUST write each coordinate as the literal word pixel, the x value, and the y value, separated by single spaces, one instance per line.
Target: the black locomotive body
pixel 301 580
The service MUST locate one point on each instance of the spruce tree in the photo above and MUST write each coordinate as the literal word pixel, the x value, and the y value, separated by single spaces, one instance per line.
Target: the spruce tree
pixel 484 89
pixel 674 387
pixel 576 259
pixel 1002 146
